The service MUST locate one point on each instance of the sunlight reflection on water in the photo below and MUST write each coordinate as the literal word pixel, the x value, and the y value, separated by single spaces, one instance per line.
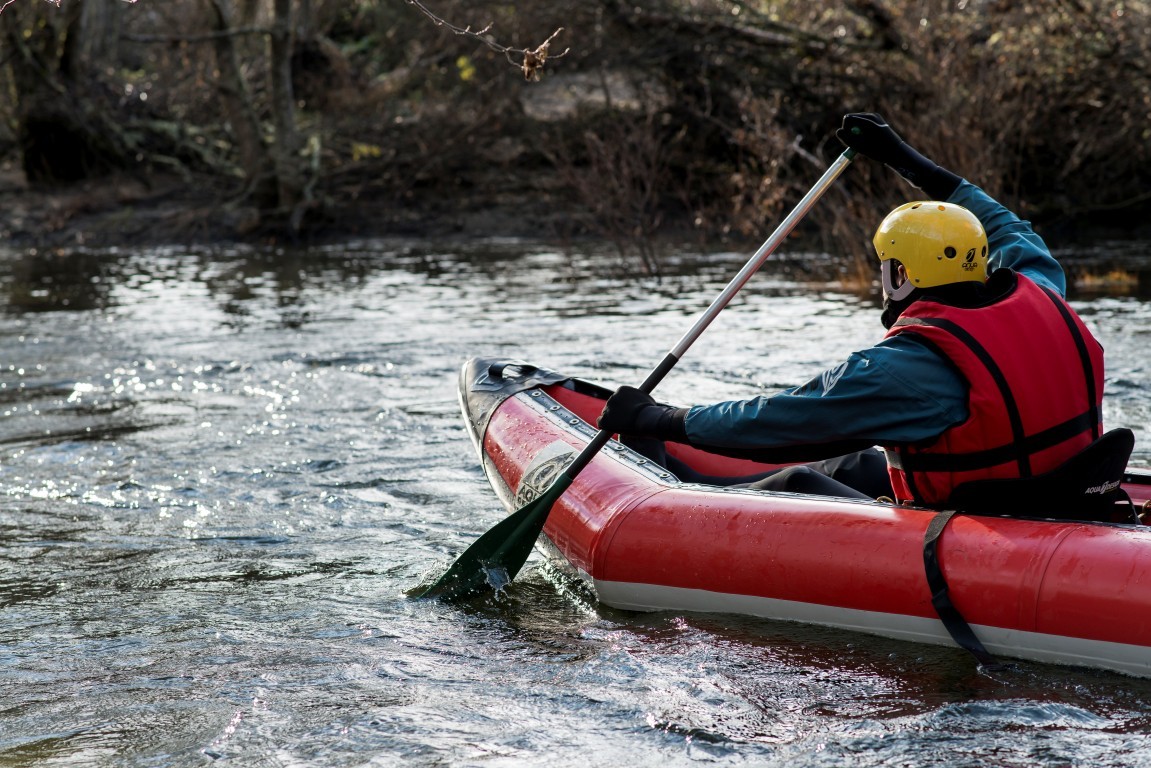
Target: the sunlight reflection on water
pixel 222 469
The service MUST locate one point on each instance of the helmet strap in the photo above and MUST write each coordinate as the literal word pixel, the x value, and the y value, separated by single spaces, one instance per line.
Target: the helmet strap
pixel 890 290
pixel 892 309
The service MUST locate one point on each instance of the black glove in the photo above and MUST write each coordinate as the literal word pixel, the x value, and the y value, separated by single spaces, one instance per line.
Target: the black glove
pixel 869 134
pixel 632 412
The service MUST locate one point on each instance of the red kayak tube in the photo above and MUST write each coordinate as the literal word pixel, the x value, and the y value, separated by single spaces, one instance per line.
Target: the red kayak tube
pixel 1057 591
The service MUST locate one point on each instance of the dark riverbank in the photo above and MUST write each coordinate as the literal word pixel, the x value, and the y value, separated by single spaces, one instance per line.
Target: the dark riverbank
pixel 121 211
pixel 651 122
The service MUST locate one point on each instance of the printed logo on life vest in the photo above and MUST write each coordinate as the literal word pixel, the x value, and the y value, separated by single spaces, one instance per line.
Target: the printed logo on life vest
pixel 1102 489
pixel 543 471
pixel 969 261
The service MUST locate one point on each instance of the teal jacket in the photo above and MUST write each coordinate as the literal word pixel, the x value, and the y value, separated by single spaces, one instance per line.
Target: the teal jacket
pixel 898 391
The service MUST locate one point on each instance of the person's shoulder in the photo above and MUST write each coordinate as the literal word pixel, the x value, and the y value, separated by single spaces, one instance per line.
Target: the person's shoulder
pixel 917 367
pixel 904 354
pixel 903 344
pixel 1043 280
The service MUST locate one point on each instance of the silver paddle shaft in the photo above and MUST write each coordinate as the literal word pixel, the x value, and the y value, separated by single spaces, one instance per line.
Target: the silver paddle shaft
pixel 750 268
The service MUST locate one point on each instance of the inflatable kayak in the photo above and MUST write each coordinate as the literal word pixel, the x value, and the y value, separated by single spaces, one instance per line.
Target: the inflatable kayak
pixel 1049 590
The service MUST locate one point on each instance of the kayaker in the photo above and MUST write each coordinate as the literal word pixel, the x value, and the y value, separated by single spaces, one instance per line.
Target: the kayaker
pixel 985 370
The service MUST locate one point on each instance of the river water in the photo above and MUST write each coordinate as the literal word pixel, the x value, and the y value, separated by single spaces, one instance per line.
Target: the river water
pixel 221 469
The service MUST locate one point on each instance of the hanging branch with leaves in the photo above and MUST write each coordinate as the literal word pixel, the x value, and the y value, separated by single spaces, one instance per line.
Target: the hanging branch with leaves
pixel 530 61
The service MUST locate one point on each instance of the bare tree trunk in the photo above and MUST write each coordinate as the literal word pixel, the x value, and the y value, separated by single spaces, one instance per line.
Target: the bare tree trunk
pixel 101 24
pixel 286 151
pixel 72 45
pixel 238 109
pixel 61 123
pixel 305 20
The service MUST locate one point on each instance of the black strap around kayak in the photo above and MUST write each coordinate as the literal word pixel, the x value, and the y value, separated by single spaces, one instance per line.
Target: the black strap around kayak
pixel 957 626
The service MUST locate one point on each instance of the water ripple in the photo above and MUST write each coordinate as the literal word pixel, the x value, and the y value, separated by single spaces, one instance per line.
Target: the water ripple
pixel 223 468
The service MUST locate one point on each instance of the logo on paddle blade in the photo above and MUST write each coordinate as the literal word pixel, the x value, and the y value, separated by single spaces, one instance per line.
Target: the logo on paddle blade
pixel 543 471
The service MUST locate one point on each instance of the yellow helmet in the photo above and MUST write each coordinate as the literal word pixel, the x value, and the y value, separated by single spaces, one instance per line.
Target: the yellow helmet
pixel 937 244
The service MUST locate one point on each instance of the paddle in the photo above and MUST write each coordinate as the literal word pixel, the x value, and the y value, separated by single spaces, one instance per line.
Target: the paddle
pixel 495 558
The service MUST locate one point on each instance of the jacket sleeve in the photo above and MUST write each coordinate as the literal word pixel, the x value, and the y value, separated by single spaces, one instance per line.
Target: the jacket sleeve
pixel 898 391
pixel 1011 241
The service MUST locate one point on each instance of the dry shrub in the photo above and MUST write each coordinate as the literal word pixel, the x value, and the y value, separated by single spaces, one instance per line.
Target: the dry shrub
pixel 618 174
pixel 1046 104
pixel 756 191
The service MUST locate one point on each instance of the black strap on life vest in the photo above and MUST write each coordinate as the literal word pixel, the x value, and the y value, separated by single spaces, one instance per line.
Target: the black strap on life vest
pixel 1088 421
pixel 1022 446
pixel 1084 357
pixel 1018 453
pixel 957 626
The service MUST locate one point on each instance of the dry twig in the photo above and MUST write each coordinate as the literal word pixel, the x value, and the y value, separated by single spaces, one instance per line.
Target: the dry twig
pixel 533 60
pixel 53 2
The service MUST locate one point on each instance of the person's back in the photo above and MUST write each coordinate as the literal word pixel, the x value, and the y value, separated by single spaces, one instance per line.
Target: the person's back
pixel 950 391
pixel 1034 378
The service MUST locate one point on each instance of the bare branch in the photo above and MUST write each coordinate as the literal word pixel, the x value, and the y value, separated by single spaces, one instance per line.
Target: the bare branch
pixel 53 2
pixel 202 37
pixel 533 60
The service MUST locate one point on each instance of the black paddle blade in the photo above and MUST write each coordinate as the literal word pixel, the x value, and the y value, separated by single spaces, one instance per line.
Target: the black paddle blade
pixel 495 558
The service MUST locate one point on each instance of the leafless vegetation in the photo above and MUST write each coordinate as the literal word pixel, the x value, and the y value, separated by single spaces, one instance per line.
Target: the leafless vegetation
pixel 532 60
pixel 632 121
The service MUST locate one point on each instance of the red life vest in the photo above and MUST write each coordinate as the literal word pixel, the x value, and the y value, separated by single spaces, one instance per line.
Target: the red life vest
pixel 1035 391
